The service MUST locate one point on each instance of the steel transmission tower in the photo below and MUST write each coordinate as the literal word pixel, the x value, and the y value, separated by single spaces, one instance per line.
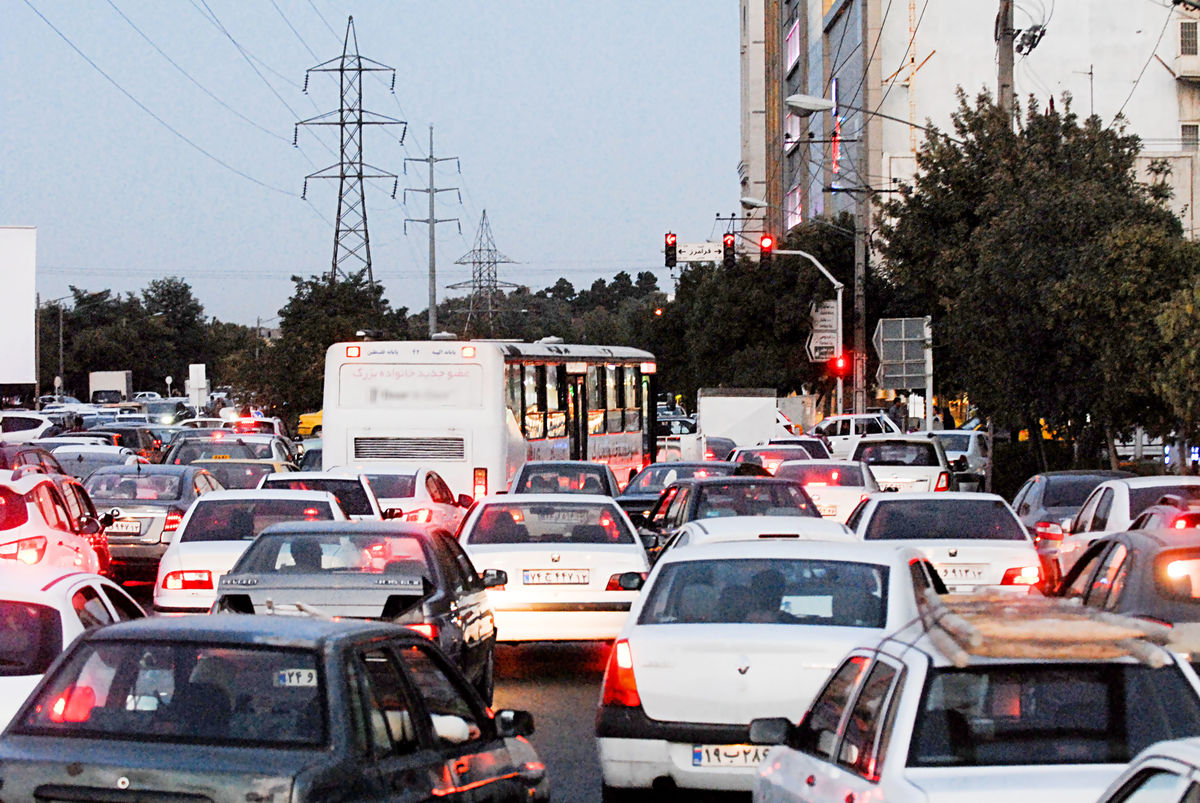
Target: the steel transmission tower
pixel 351 243
pixel 432 222
pixel 485 286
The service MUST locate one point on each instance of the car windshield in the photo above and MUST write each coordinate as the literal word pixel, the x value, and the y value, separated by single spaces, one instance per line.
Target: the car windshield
pixel 182 692
pixel 349 492
pixel 925 520
pixel 134 486
pixel 243 519
pixel 391 486
pixel 82 464
pixel 549 523
pixel 1049 714
pixel 305 553
pixel 779 591
pixel 956 442
pixel 30 638
pixel 897 453
pixel 753 499
pixel 236 475
pixel 822 474
pixel 1069 491
pixel 562 480
pixel 654 478
pixel 1142 498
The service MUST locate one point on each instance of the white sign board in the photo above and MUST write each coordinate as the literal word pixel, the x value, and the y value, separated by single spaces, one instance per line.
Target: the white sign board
pixel 821 346
pixel 410 386
pixel 824 317
pixel 699 252
pixel 18 266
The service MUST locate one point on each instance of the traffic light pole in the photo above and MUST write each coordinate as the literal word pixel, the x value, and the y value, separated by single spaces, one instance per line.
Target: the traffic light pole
pixel 838 287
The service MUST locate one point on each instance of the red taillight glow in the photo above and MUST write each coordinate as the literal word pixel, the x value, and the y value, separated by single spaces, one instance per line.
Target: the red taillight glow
pixel 1047 531
pixel 479 482
pixel 1021 576
pixel 620 686
pixel 199 580
pixel 614 582
pixel 311 513
pixel 27 550
pixel 171 523
pixel 75 704
pixel 427 630
pixel 420 515
pixel 943 482
pixel 1181 524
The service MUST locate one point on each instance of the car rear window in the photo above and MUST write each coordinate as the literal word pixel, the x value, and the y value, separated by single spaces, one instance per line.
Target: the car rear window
pixel 773 591
pixel 349 492
pixel 655 478
pixel 182 692
pixel 562 480
pixel 1177 574
pixel 242 520
pixel 1142 498
pixel 897 453
pixel 30 638
pixel 1049 714
pixel 818 474
pixel 1069 491
pixel 134 487
pixel 392 486
pixel 238 476
pixel 753 499
pixel 191 450
pixel 549 523
pixel 924 519
pixel 955 443
pixel 314 553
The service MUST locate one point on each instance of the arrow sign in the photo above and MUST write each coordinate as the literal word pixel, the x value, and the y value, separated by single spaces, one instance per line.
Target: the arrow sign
pixel 699 252
pixel 821 346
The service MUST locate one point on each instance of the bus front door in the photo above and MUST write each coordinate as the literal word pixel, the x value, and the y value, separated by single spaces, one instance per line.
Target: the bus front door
pixel 576 418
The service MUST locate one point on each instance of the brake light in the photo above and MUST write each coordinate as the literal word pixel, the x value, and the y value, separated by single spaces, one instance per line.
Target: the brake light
pixel 26 550
pixel 379 550
pixel 1181 524
pixel 75 704
pixel 943 482
pixel 771 466
pixel 1047 531
pixel 198 580
pixel 420 515
pixel 311 513
pixel 429 631
pixel 479 482
pixel 1021 576
pixel 614 582
pixel 620 686
pixel 709 454
pixel 174 517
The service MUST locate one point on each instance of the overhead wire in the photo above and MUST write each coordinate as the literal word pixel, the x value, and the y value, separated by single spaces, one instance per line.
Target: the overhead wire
pixel 1150 58
pixel 292 28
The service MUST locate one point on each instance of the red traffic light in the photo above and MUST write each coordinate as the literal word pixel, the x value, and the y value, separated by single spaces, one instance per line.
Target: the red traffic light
pixel 766 243
pixel 728 240
pixel 839 366
pixel 670 238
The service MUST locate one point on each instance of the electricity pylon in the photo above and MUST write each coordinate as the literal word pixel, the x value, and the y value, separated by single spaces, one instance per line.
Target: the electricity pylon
pixel 485 286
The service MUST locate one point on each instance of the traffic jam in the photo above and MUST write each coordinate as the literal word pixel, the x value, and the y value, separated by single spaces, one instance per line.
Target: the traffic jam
pixel 836 612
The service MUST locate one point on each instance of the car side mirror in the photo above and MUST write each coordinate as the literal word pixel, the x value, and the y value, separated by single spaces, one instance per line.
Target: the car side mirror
pixel 510 723
pixel 393 513
pixel 108 518
pixel 772 730
pixel 89 525
pixel 465 501
pixel 631 581
pixel 649 541
pixel 494 577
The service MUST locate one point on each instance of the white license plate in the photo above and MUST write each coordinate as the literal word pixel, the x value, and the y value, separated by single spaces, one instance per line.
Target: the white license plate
pixel 728 755
pixel 133 527
pixel 958 572
pixel 565 516
pixel 556 577
pixel 827 510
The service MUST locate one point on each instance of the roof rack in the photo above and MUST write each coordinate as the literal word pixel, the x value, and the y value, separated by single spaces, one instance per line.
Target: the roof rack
pixel 1008 626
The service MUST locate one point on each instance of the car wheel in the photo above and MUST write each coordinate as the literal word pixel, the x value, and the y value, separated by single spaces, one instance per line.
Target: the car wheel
pixel 613 794
pixel 316 432
pixel 487 678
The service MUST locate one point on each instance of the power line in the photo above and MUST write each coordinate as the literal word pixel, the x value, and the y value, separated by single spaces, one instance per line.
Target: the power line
pixel 1150 58
pixel 288 23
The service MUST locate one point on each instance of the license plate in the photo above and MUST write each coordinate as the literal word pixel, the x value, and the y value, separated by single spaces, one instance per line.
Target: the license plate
pixel 218 457
pixel 959 572
pixel 565 517
pixel 827 510
pixel 728 755
pixel 555 577
pixel 125 527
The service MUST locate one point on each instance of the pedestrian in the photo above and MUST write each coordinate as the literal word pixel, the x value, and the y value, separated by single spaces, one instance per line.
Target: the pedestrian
pixel 948 421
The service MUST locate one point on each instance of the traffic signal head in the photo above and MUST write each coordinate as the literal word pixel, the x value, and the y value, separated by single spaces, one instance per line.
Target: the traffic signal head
pixel 730 256
pixel 766 249
pixel 669 251
pixel 839 366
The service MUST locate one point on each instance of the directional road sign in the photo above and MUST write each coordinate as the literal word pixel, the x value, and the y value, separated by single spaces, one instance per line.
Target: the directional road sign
pixel 699 252
pixel 901 345
pixel 822 342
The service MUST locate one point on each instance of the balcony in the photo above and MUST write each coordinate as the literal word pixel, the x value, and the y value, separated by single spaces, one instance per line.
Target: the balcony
pixel 1187 68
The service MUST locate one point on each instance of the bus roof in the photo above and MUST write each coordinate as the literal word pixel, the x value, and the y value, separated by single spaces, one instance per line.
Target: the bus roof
pixel 510 350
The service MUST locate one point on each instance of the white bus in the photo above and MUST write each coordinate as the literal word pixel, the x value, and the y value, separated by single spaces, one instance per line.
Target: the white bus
pixel 475 411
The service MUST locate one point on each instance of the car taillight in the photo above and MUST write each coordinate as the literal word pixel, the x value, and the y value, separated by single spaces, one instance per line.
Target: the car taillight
pixel 188 581
pixel 26 550
pixel 420 515
pixel 620 686
pixel 1047 531
pixel 75 704
pixel 429 631
pixel 614 582
pixel 1021 576
pixel 171 523
pixel 943 482
pixel 479 482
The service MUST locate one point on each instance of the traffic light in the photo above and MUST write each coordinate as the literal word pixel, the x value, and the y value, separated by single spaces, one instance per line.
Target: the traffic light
pixel 670 250
pixel 730 257
pixel 839 366
pixel 766 250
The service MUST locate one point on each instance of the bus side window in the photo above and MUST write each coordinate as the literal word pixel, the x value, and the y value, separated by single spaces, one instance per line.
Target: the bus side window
pixel 595 400
pixel 535 419
pixel 633 404
pixel 613 387
pixel 512 389
pixel 556 419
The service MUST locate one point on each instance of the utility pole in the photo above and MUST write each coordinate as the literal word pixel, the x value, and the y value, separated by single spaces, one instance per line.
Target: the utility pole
pixel 351 243
pixel 862 225
pixel 484 284
pixel 432 222
pixel 1005 36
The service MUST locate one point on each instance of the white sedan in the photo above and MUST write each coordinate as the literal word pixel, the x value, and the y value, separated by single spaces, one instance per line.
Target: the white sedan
pixel 974 540
pixel 216 531
pixel 42 610
pixel 835 486
pixel 726 632
pixel 573 562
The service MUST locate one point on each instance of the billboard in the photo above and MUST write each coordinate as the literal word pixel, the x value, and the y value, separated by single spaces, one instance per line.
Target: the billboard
pixel 18 251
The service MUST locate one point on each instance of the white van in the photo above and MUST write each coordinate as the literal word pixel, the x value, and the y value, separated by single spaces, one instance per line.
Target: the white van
pixel 843 431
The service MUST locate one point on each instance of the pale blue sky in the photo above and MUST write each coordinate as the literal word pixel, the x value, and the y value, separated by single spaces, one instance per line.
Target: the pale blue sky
pixel 586 129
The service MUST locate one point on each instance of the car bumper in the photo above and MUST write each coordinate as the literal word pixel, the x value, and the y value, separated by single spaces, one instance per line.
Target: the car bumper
pixel 136 560
pixel 574 621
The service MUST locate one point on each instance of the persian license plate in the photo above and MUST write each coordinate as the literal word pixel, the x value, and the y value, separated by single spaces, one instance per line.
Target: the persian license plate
pixel 127 527
pixel 566 516
pixel 556 577
pixel 728 755
pixel 960 572
pixel 827 510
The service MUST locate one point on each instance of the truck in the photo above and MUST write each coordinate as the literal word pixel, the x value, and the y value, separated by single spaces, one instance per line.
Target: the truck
pixel 747 416
pixel 110 387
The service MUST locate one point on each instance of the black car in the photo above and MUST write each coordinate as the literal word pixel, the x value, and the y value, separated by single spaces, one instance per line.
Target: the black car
pixel 392 571
pixel 237 708
pixel 564 477
pixel 647 485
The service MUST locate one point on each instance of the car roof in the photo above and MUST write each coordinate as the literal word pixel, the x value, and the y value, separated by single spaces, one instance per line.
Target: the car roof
pixel 758 525
pixel 24 580
pixel 819 462
pixel 1164 480
pixel 733 479
pixel 916 437
pixel 771 548
pixel 534 499
pixel 1186 750
pixel 1104 473
pixel 933 496
pixel 243 494
pixel 248 630
pixel 379 528
pixel 148 468
pixel 314 475
pixel 565 464
pixel 1162 537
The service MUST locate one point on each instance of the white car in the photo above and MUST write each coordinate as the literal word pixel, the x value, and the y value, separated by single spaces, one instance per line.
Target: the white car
pixel 842 431
pixel 81 459
pixel 42 610
pixel 1112 506
pixel 1165 772
pixel 574 562
pixel 769 457
pixel 36 527
pixel 216 531
pixel 726 632
pixel 975 541
pixel 835 486
pixel 352 490
pixel 899 722
pixel 203 423
pixel 906 462
pixel 969 453
pixel 18 426
pixel 758 528
pixel 422 497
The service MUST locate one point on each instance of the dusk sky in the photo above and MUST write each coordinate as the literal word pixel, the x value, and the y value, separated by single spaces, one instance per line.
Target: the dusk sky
pixel 586 130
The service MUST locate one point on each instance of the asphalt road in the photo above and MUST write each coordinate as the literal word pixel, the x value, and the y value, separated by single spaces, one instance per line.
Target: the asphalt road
pixel 560 685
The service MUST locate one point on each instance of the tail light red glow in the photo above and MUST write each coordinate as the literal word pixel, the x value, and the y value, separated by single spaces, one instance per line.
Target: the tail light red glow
pixel 614 582
pixel 1021 576
pixel 75 704
pixel 1047 531
pixel 198 580
pixel 311 513
pixel 420 515
pixel 174 517
pixel 620 686
pixel 479 482
pixel 27 550
pixel 429 631
pixel 943 482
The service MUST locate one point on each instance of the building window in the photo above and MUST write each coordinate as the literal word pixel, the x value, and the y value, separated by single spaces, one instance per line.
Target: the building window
pixel 791 132
pixel 793 209
pixel 1190 134
pixel 793 43
pixel 1187 39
